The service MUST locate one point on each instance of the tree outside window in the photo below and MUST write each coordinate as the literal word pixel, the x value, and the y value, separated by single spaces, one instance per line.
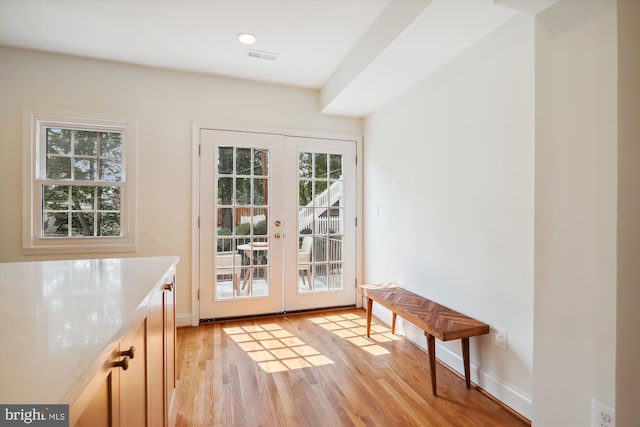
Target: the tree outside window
pixel 84 169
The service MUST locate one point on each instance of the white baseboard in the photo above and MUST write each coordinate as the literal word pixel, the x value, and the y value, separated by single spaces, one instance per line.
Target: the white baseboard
pixel 503 392
pixel 516 400
pixel 183 319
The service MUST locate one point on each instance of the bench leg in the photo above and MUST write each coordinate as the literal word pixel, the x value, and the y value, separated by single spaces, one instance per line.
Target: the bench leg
pixel 369 312
pixel 431 348
pixel 393 322
pixel 465 359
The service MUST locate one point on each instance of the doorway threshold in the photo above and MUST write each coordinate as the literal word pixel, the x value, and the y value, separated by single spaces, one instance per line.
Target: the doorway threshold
pixel 278 314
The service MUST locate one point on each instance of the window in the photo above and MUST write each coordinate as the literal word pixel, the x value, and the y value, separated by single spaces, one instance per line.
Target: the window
pixel 79 183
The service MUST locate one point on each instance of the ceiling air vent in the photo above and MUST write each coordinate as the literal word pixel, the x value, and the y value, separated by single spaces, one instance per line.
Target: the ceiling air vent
pixel 252 53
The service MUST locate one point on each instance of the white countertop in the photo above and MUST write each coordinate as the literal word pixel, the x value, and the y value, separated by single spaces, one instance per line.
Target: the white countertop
pixel 58 317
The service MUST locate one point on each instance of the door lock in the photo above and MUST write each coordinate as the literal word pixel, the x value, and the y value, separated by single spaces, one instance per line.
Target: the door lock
pixel 278 223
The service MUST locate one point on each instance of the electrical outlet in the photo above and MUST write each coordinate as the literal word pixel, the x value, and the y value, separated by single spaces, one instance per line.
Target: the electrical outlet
pixel 500 338
pixel 602 415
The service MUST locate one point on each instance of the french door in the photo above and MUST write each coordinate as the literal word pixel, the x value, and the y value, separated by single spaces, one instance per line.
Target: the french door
pixel 277 223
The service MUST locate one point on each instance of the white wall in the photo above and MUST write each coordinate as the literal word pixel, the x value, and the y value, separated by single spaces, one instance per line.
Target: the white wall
pixel 628 315
pixel 165 103
pixel 575 228
pixel 449 166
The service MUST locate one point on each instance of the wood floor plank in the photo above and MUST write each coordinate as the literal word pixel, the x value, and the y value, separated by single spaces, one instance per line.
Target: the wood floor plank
pixel 319 369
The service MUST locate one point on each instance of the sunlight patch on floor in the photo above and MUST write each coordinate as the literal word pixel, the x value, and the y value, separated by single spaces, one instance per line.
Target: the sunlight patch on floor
pixel 274 348
pixel 353 328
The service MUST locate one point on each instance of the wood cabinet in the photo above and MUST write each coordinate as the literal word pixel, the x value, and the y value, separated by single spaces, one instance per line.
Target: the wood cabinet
pixel 135 385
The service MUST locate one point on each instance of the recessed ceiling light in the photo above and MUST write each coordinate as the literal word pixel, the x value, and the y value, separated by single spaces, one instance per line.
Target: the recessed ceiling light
pixel 246 38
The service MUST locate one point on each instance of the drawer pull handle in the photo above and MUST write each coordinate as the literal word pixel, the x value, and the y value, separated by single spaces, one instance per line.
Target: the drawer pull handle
pixel 124 363
pixel 131 352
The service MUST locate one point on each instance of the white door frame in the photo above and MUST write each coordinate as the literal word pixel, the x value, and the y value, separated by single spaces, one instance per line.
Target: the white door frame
pixel 197 127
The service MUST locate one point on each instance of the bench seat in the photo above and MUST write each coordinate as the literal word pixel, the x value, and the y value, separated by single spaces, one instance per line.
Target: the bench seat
pixel 437 321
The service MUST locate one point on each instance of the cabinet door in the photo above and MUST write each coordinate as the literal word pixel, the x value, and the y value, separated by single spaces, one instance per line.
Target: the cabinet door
pixel 161 356
pixel 133 381
pixel 155 359
pixel 169 344
pixel 98 405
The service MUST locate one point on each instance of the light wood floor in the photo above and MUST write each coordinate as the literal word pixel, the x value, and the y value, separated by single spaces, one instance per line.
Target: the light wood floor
pixel 318 369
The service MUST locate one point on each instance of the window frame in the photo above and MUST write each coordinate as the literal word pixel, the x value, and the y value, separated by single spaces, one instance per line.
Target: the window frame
pixel 35 123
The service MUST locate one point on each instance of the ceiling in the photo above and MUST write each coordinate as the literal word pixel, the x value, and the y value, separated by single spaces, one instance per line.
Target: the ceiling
pixel 358 53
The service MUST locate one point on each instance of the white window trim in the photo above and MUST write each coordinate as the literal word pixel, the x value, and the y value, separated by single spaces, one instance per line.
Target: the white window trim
pixel 32 242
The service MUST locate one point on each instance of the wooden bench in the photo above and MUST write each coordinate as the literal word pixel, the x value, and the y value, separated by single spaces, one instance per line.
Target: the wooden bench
pixel 437 321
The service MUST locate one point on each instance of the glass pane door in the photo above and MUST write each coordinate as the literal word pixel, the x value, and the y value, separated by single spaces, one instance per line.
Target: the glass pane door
pixel 242 218
pixel 240 243
pixel 323 220
pixel 320 221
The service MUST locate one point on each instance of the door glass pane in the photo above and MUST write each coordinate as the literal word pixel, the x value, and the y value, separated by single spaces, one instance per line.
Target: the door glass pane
pixel 243 191
pixel 260 222
pixel 225 192
pixel 335 222
pixel 335 166
pixel 320 170
pixel 320 195
pixel 320 222
pixel 305 192
pixel 242 246
pixel 305 165
pixel 335 276
pixel 260 192
pixel 243 161
pixel 260 162
pixel 335 193
pixel 225 160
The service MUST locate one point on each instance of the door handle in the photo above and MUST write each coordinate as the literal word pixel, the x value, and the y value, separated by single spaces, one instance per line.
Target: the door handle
pixel 277 236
